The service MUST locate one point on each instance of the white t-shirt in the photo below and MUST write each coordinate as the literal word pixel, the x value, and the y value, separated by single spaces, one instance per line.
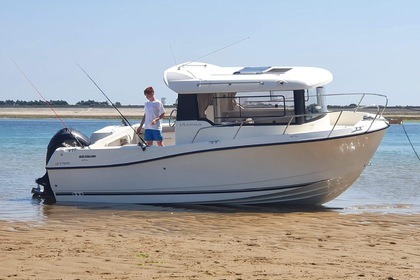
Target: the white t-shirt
pixel 153 109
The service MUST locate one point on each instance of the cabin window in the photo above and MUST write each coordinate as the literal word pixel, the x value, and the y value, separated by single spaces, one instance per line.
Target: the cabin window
pixel 187 107
pixel 204 101
pixel 315 103
pixel 275 107
pixel 195 106
pixel 253 107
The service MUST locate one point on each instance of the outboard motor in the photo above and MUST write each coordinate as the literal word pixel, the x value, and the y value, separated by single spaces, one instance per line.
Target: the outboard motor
pixel 65 137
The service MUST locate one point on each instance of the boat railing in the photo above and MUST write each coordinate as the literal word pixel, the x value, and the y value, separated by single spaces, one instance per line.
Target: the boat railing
pixel 378 110
pixel 377 114
pixel 239 125
pixel 359 104
pixel 335 124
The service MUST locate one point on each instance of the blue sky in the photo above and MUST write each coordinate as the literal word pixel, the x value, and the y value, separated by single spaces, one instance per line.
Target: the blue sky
pixel 369 46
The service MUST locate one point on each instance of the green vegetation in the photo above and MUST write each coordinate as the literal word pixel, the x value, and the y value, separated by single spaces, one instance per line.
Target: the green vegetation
pixel 145 260
pixel 92 103
pixel 56 103
pixel 62 103
pixel 12 103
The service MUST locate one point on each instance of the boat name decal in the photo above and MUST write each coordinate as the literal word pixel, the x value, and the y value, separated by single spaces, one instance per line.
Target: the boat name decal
pixel 62 163
pixel 190 124
pixel 87 156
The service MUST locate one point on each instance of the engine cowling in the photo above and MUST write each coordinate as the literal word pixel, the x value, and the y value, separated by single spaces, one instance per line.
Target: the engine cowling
pixel 66 137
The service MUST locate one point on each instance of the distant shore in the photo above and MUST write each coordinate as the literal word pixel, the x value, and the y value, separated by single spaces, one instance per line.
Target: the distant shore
pixel 396 113
pixel 72 112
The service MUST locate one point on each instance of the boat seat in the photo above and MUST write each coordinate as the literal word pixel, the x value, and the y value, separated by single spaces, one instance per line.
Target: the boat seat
pixel 260 115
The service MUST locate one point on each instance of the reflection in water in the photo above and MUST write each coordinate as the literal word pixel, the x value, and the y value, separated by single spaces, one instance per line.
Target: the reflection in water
pixel 69 211
pixel 40 210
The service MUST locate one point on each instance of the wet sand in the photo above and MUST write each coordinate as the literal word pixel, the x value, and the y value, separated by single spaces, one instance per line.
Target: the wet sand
pixel 77 243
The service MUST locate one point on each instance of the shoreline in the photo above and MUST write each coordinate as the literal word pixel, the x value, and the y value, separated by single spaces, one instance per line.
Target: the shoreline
pixel 94 243
pixel 73 112
pixel 393 114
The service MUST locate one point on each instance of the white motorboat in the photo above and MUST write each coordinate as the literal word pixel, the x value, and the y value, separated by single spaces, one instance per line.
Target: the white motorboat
pixel 242 135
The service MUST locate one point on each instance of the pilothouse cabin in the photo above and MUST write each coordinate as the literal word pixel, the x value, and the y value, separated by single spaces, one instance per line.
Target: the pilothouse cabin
pixel 210 96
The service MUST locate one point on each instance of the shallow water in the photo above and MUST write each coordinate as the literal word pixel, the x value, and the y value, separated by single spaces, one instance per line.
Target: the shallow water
pixel 390 184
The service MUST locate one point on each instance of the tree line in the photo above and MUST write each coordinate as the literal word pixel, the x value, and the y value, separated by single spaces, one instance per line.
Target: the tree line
pixel 57 103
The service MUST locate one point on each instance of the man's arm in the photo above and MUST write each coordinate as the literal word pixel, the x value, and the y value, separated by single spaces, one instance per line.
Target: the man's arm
pixel 158 118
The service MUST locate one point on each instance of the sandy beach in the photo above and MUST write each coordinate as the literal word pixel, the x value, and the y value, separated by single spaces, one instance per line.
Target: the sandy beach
pixel 127 244
pixel 72 112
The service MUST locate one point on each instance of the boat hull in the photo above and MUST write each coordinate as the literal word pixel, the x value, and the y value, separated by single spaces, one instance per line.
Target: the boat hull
pixel 307 172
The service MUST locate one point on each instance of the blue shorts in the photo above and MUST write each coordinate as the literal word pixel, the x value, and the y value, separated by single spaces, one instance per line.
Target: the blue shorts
pixel 153 135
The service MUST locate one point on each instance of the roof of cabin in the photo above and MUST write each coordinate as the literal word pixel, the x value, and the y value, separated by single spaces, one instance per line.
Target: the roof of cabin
pixel 198 77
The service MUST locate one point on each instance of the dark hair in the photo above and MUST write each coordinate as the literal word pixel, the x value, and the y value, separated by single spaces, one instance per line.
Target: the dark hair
pixel 149 90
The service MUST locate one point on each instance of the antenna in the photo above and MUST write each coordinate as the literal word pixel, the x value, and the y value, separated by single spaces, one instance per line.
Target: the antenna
pixel 218 50
pixel 172 51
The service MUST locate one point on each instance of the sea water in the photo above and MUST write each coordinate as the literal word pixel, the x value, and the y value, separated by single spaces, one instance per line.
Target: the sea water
pixel 391 183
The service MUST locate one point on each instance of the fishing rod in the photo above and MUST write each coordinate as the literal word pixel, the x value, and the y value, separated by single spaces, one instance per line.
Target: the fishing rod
pixel 39 93
pixel 45 100
pixel 409 141
pixel 125 121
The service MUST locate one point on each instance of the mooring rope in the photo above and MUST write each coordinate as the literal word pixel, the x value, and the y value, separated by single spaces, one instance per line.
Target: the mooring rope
pixel 406 134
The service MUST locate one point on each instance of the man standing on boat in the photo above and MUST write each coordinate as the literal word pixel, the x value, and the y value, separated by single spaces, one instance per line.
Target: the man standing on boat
pixel 153 113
